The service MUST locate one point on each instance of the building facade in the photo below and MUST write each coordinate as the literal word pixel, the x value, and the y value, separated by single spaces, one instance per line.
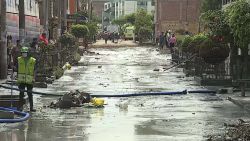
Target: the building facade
pixel 98 7
pixel 177 14
pixel 32 20
pixel 119 8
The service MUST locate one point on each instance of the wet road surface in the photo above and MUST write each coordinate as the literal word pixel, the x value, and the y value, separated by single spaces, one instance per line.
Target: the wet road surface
pixel 153 118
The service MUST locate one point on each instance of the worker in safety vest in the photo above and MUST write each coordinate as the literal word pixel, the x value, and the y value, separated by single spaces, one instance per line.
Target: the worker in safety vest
pixel 25 75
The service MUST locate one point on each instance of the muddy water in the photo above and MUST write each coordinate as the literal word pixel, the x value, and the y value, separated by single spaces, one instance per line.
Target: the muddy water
pixel 154 118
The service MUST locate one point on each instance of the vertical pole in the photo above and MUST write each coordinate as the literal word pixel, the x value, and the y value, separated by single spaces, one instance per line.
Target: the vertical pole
pixel 59 10
pixel 186 24
pixel 102 21
pixel 21 21
pixel 64 15
pixel 115 11
pixel 91 10
pixel 3 47
pixel 45 11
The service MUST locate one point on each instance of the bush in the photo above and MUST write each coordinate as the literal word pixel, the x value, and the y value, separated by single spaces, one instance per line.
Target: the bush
pixel 67 39
pixel 79 31
pixel 93 29
pixel 196 42
pixel 77 57
pixel 213 52
pixel 185 43
pixel 58 72
pixel 145 33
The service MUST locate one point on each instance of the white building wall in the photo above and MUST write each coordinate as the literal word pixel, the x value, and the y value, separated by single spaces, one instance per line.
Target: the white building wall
pixel 31 7
pixel 150 8
pixel 130 7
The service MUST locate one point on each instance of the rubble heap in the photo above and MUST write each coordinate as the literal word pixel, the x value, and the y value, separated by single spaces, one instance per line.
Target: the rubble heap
pixel 71 99
pixel 239 131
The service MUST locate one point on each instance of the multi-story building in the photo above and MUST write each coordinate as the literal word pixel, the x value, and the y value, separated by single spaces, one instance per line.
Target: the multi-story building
pixel 177 14
pixel 119 8
pixel 114 9
pixel 32 21
pixel 98 7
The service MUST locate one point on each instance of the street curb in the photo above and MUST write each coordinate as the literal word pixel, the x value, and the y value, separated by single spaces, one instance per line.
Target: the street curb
pixel 238 103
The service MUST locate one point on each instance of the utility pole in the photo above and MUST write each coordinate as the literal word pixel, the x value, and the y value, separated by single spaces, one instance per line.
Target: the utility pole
pixel 45 11
pixel 90 10
pixel 3 47
pixel 21 21
pixel 64 15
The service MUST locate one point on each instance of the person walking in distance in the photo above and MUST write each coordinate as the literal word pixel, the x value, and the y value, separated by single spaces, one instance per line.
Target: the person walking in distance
pixel 15 52
pixel 161 40
pixel 172 42
pixel 25 75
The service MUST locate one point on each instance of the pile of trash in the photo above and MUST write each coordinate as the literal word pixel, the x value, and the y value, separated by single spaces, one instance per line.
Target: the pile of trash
pixel 72 99
pixel 234 132
pixel 239 131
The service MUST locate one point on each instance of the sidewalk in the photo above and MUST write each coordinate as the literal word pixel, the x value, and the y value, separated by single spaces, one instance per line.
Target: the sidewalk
pixel 3 81
pixel 243 102
pixel 120 43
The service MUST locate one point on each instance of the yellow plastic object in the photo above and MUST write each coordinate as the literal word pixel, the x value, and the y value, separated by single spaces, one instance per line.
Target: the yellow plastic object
pixel 67 66
pixel 97 102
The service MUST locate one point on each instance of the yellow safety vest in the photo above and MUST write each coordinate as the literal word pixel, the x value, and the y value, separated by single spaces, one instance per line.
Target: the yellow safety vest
pixel 26 70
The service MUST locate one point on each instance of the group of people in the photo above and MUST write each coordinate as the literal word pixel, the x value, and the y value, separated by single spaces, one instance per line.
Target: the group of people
pixel 167 39
pixel 110 36
pixel 22 60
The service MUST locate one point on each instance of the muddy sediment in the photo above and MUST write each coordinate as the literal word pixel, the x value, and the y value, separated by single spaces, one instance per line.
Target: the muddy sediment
pixel 191 117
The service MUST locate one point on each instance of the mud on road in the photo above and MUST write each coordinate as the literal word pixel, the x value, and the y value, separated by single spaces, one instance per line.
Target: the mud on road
pixel 153 118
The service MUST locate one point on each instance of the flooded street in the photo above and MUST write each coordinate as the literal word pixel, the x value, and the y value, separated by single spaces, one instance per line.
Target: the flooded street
pixel 190 117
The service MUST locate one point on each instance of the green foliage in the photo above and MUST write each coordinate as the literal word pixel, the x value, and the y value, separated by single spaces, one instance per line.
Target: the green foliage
pixel 41 44
pixel 199 38
pixel 210 5
pixel 238 18
pixel 143 24
pixel 58 72
pixel 93 29
pixel 79 30
pixel 81 13
pixel 130 18
pixel 145 33
pixel 185 43
pixel 77 57
pixel 121 21
pixel 206 43
pixel 216 50
pixel 194 45
pixel 67 39
pixel 215 22
pixel 96 19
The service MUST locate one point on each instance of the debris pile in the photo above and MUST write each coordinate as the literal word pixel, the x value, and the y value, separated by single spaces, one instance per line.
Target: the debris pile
pixel 239 131
pixel 71 99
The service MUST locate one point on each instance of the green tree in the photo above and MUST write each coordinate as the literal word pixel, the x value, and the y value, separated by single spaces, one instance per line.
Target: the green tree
pixel 210 5
pixel 130 18
pixel 238 18
pixel 121 21
pixel 143 24
pixel 79 31
pixel 93 29
pixel 215 23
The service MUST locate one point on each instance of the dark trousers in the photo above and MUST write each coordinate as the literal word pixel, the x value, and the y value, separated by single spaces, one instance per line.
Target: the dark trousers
pixel 29 89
